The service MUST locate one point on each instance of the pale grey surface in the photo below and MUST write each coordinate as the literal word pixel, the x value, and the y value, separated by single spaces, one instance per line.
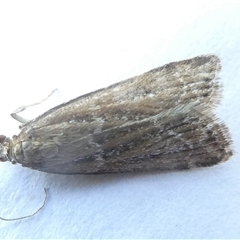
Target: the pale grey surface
pixel 80 47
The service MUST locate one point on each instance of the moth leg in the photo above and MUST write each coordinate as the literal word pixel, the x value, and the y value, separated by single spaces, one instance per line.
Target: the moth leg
pixel 21 109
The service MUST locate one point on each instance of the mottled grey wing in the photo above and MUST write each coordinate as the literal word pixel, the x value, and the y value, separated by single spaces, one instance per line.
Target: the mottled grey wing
pixel 163 88
pixel 169 140
pixel 152 121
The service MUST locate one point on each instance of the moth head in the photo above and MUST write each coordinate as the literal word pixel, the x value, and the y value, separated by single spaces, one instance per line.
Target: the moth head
pixel 4 147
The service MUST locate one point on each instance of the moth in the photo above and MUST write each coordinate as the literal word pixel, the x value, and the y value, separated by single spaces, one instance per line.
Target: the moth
pixel 160 120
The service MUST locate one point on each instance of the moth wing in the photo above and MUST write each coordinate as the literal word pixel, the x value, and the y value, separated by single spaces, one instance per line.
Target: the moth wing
pixel 179 139
pixel 178 83
pixel 157 120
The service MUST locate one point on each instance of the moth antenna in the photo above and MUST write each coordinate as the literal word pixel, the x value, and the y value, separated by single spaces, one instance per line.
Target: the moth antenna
pixel 21 109
pixel 31 215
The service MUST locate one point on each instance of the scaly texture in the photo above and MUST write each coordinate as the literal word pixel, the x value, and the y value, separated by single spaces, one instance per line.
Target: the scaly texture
pixel 161 120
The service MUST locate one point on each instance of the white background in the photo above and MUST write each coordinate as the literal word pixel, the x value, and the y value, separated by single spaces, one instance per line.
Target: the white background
pixel 80 46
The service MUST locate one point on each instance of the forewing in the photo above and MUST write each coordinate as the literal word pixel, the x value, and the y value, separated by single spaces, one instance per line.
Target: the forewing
pixel 158 120
pixel 170 140
pixel 178 83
